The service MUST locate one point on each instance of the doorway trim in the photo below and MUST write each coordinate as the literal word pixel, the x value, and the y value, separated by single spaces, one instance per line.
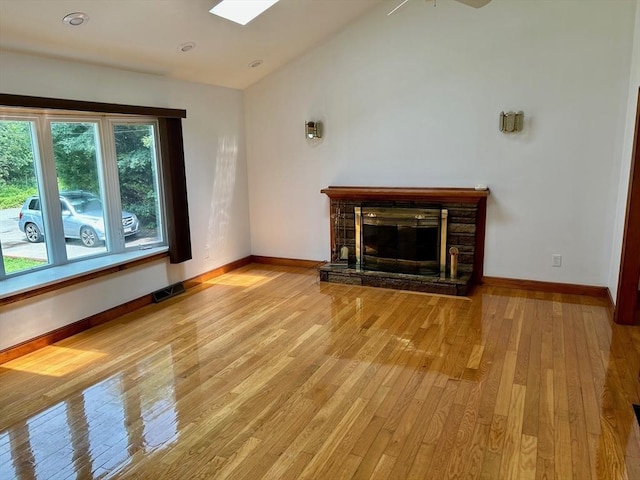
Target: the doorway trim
pixel 627 296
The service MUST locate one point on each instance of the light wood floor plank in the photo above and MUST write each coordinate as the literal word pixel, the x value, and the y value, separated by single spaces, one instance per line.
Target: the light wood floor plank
pixel 266 373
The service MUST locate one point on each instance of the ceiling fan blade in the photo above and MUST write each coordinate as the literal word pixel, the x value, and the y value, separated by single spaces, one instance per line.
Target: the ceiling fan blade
pixel 400 5
pixel 474 3
pixel 471 3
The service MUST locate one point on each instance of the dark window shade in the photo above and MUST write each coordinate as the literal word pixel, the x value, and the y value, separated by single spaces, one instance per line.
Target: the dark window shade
pixel 175 188
pixel 171 151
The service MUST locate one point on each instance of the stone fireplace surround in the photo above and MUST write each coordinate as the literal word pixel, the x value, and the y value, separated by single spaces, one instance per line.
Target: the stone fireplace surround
pixel 465 230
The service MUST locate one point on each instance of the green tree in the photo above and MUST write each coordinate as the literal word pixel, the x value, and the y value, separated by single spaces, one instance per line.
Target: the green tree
pixel 16 154
pixel 136 171
pixel 74 149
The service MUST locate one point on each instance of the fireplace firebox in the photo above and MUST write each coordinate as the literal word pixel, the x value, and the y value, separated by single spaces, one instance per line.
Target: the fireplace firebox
pixel 401 240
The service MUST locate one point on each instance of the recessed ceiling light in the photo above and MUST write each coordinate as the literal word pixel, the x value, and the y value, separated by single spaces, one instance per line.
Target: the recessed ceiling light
pixel 187 47
pixel 255 64
pixel 241 11
pixel 75 19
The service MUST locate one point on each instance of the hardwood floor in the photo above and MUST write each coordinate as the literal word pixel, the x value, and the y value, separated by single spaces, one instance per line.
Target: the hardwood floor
pixel 265 373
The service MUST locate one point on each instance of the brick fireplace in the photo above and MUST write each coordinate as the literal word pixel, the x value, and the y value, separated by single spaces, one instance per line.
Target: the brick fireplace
pixel 402 237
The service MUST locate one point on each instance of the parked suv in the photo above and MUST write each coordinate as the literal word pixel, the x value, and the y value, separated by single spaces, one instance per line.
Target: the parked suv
pixel 81 217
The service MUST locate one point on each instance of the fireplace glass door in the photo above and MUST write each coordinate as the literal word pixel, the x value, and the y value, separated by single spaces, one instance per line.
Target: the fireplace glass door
pixel 401 240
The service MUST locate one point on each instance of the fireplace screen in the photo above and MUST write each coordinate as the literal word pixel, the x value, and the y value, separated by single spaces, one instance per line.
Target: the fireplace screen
pixel 401 240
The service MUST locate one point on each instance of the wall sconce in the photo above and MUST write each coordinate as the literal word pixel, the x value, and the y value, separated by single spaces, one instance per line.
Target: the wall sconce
pixel 313 129
pixel 511 122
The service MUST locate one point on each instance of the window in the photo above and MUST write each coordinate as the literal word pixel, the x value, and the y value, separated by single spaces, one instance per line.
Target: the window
pixel 77 186
pixel 135 148
pixel 19 178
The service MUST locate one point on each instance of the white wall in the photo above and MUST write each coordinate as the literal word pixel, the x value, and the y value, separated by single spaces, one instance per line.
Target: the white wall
pixel 413 100
pixel 625 163
pixel 216 183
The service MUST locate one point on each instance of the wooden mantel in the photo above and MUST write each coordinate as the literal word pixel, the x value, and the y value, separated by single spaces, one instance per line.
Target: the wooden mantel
pixel 440 194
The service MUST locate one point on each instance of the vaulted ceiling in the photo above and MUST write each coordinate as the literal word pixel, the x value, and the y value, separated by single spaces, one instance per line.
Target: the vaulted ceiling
pixel 146 35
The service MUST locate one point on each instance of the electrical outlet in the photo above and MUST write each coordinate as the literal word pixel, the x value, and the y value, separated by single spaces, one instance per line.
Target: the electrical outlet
pixel 206 252
pixel 556 260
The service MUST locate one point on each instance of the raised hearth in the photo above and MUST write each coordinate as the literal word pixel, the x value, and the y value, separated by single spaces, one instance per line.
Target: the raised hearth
pixel 400 281
pixel 417 226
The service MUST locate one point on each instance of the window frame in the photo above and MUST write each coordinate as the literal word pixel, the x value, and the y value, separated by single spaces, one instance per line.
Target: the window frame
pixel 51 206
pixel 159 175
pixel 170 183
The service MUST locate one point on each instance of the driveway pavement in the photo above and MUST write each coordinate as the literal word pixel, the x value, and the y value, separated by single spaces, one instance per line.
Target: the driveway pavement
pixel 9 231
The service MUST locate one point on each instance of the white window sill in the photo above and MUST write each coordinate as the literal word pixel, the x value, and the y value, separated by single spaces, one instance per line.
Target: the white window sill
pixel 45 277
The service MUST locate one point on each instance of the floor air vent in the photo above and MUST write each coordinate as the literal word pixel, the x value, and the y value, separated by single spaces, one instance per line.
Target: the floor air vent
pixel 168 292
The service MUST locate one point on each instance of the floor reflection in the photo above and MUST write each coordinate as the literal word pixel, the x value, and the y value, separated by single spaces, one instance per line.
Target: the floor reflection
pixel 95 433
pixel 414 324
pixel 615 394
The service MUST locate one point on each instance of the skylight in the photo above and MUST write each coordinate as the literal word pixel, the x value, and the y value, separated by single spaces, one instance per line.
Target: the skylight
pixel 241 11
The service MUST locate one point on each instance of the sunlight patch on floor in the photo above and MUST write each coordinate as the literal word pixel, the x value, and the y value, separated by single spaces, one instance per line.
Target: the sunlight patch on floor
pixel 60 361
pixel 238 280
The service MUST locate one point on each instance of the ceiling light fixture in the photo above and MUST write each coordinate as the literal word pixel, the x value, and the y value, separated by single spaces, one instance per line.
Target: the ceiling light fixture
pixel 75 19
pixel 241 11
pixel 186 47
